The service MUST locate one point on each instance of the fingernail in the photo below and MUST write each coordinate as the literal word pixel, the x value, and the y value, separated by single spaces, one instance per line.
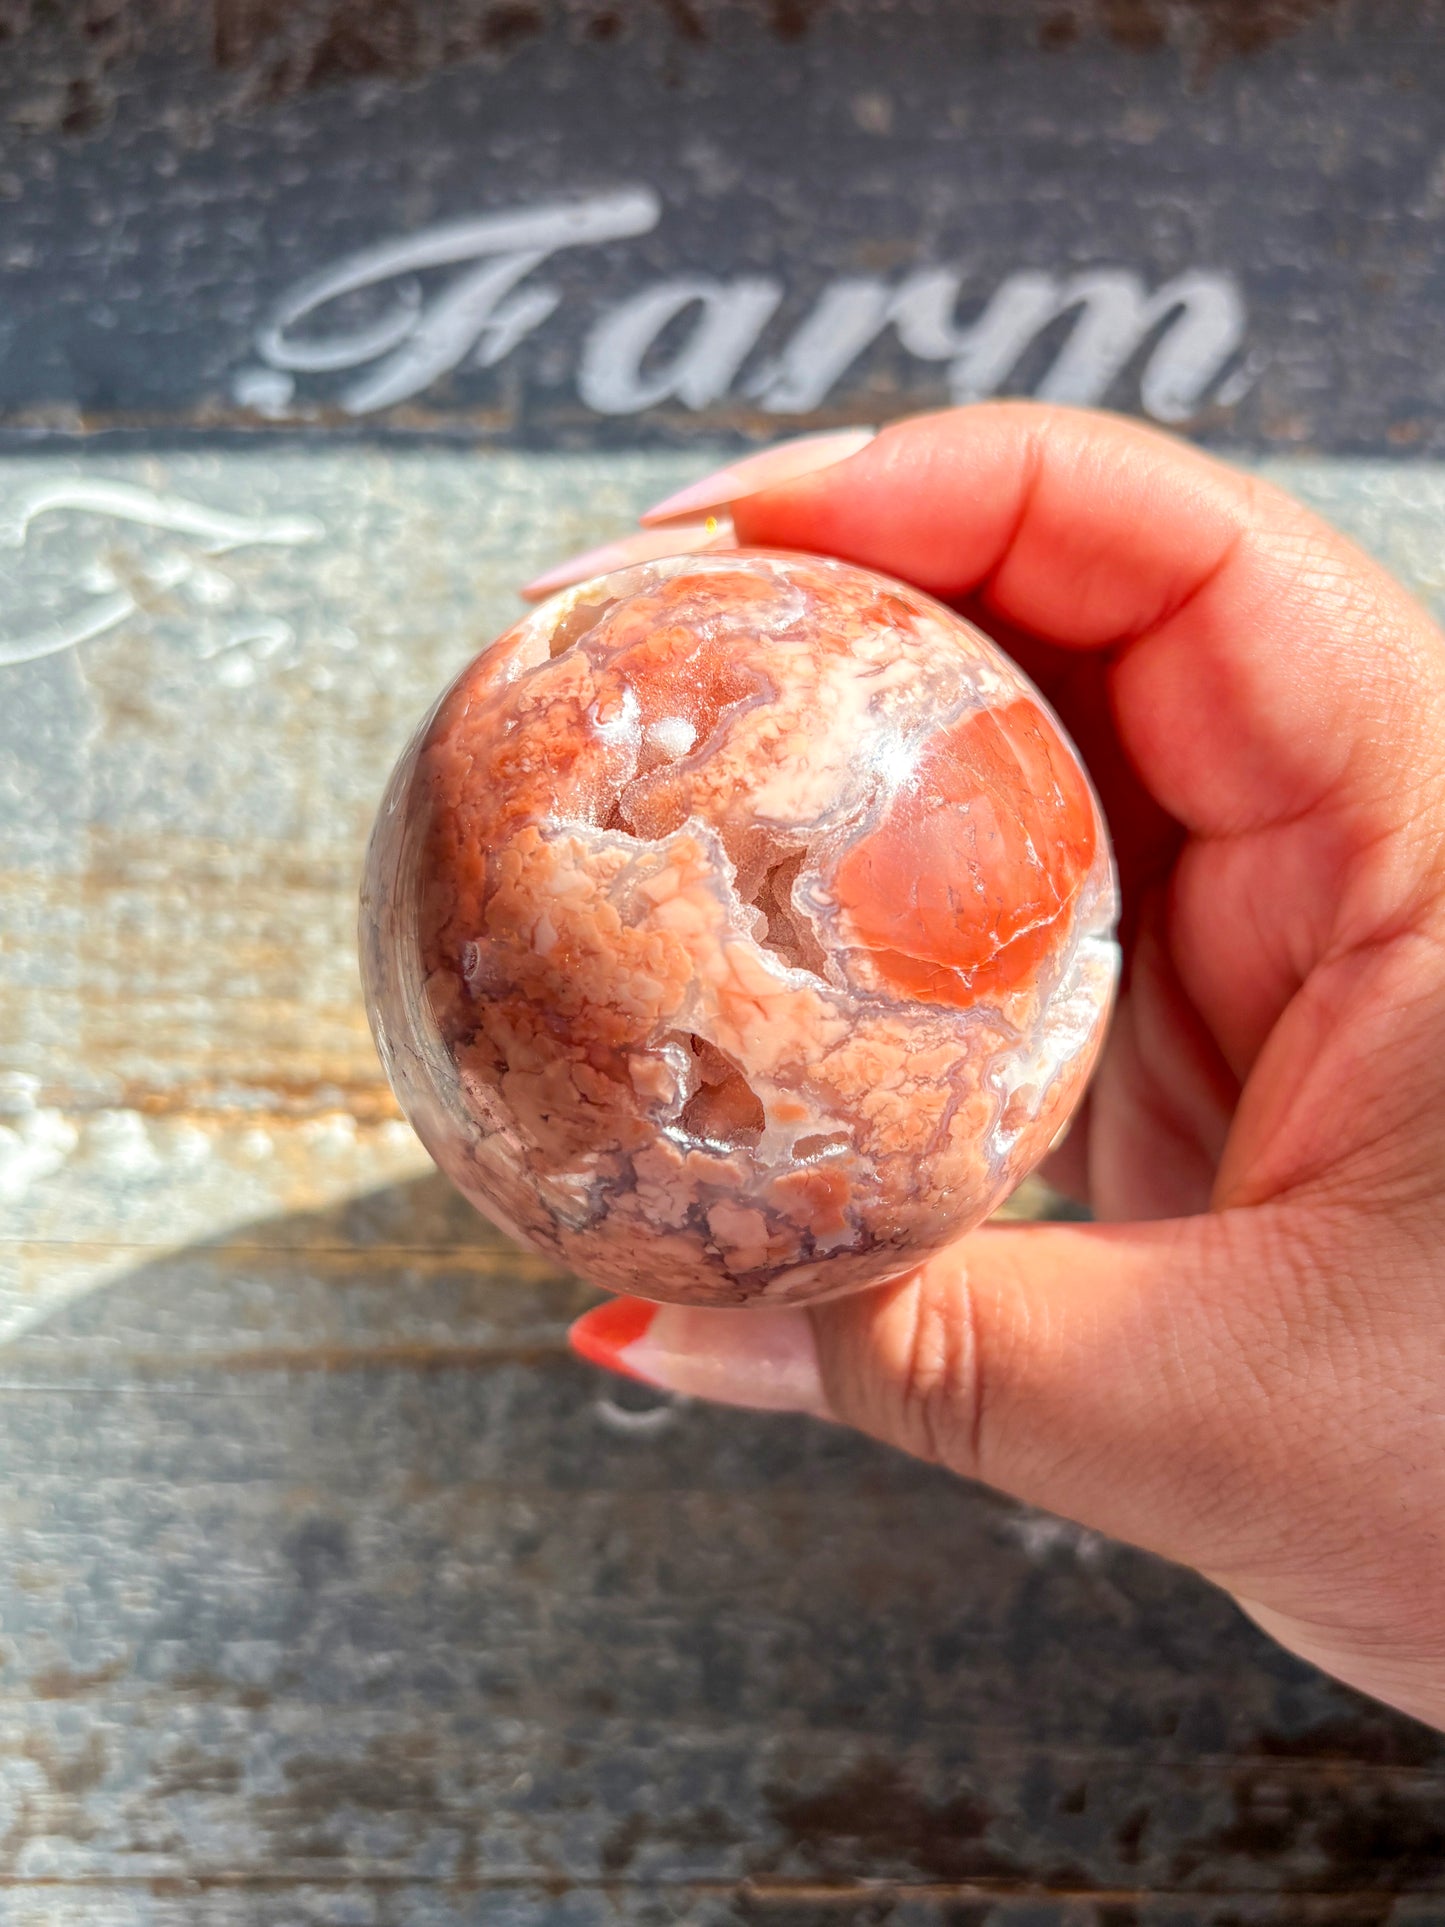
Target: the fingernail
pixel 713 532
pixel 765 1360
pixel 767 469
pixel 605 1335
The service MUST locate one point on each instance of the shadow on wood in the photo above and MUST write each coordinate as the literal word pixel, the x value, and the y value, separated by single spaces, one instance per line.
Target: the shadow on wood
pixel 330 1575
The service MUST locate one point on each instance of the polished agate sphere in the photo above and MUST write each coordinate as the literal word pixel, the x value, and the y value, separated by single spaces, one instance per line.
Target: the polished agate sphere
pixel 738 929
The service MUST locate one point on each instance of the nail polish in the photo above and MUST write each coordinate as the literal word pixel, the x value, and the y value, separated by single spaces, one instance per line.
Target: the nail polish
pixel 648 545
pixel 770 467
pixel 765 1360
pixel 604 1335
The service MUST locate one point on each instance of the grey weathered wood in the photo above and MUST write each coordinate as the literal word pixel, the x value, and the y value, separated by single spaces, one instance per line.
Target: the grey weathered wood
pixel 169 176
pixel 331 1589
pixel 388 1623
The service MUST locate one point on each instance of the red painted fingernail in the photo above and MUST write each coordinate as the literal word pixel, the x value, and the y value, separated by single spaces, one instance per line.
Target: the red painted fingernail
pixel 604 1334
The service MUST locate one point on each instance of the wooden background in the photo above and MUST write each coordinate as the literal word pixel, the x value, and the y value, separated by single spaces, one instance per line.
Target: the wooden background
pixel 174 173
pixel 331 1590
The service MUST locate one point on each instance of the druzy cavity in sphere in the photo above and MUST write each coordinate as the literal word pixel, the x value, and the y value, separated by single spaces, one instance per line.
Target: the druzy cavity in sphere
pixel 739 928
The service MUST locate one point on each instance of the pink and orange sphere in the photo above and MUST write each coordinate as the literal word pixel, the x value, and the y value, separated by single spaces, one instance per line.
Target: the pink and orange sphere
pixel 739 929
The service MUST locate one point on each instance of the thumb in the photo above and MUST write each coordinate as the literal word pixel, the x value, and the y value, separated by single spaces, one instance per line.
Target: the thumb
pixel 1137 1378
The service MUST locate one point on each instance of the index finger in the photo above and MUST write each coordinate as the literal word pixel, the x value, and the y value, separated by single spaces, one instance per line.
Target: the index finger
pixel 1262 664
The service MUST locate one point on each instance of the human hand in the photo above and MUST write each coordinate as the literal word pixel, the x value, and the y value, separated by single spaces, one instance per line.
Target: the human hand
pixel 1241 1364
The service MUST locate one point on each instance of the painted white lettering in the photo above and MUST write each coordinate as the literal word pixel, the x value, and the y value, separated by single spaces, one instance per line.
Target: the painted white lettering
pixel 445 332
pixel 1200 316
pixel 688 339
pixel 1194 347
pixel 612 377
pixel 416 342
pixel 981 355
pixel 108 596
pixel 847 318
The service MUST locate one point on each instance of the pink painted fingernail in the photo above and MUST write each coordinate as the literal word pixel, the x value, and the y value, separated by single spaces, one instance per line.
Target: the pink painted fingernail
pixel 767 469
pixel 649 545
pixel 765 1360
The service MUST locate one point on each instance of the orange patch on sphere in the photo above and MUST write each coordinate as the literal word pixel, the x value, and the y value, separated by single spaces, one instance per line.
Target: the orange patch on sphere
pixel 962 889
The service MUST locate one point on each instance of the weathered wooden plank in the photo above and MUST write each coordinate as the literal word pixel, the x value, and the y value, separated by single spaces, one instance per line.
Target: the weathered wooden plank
pixel 184 798
pixel 409 1274
pixel 174 180
pixel 260 1623
pixel 613 1904
pixel 476 1766
pixel 332 1590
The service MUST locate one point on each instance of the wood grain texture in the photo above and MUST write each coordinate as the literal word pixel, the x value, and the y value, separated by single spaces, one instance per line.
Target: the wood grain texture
pixel 333 1591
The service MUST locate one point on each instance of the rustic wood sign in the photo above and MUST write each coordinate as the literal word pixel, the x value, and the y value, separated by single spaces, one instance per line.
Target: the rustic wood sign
pixel 584 223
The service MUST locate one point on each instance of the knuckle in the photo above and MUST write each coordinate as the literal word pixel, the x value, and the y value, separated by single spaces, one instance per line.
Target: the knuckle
pixel 939 1379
